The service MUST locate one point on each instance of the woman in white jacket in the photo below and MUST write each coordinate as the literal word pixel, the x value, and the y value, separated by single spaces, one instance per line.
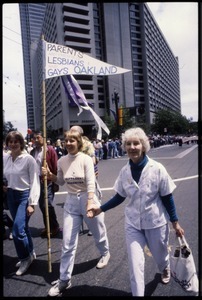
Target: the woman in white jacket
pixel 148 187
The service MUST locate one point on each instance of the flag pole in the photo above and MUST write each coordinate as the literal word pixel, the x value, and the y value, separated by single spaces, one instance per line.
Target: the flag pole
pixel 44 164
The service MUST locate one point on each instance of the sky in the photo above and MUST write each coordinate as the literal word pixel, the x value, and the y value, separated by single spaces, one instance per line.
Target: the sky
pixel 178 21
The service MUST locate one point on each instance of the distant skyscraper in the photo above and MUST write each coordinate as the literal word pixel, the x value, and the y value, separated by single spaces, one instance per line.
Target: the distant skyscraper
pixel 123 34
pixel 31 20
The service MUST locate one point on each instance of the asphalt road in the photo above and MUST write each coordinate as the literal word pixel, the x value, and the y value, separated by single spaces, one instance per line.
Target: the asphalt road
pixel 182 165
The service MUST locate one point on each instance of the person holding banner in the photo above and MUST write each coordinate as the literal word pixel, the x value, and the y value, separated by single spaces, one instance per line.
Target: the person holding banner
pixel 76 170
pixel 89 149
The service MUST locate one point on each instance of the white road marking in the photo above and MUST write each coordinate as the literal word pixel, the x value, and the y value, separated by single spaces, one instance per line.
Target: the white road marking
pixel 182 154
pixel 111 188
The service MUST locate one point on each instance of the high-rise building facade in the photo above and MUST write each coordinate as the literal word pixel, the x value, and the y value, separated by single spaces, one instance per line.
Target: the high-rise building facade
pixel 31 20
pixel 121 34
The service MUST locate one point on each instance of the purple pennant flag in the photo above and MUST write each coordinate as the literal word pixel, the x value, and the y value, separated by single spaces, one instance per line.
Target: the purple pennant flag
pixel 74 93
pixel 71 101
pixel 76 96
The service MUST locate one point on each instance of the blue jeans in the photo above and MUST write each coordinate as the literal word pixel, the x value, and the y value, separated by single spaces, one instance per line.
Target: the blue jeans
pixel 17 203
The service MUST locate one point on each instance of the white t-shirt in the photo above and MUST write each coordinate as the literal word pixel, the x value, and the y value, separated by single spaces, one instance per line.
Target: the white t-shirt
pixel 77 171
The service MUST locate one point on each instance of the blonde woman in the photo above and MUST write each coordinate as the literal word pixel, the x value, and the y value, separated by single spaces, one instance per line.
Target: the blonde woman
pixel 76 171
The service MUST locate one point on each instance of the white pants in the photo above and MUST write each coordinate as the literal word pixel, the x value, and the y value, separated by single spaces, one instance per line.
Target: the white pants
pixel 74 213
pixel 157 241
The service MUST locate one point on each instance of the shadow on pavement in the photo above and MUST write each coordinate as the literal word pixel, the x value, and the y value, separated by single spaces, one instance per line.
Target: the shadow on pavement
pixel 152 285
pixel 38 264
pixel 86 290
pixel 81 290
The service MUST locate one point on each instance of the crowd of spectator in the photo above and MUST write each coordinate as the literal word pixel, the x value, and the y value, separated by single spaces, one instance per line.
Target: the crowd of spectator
pixel 111 147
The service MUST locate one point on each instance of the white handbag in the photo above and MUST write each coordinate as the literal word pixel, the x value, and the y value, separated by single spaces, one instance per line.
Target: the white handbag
pixel 182 266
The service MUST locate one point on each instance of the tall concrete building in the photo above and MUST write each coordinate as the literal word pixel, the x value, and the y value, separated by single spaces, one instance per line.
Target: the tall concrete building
pixel 121 34
pixel 31 20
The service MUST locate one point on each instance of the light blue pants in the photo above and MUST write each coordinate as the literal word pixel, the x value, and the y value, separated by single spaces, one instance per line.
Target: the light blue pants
pixel 156 240
pixel 74 214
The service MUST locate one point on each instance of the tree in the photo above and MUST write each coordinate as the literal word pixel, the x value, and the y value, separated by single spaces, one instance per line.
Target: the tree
pixel 173 121
pixel 7 127
pixel 127 122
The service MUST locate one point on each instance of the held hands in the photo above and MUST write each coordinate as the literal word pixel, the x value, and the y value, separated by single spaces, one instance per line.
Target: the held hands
pixel 92 210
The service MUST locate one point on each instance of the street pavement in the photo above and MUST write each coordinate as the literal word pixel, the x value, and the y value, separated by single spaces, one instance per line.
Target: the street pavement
pixel 113 280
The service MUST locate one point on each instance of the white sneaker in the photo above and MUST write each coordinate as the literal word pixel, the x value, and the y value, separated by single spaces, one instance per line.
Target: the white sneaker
pixel 165 277
pixel 10 237
pixel 19 262
pixel 103 261
pixel 24 265
pixel 59 287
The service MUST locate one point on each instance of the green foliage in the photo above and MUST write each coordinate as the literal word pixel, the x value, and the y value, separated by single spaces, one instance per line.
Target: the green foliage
pixel 7 127
pixel 128 122
pixel 111 124
pixel 173 121
pixel 193 128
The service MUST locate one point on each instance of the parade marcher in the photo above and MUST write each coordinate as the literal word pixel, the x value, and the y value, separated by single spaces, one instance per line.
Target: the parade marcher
pixel 23 190
pixel 148 187
pixel 89 149
pixel 76 171
pixel 51 159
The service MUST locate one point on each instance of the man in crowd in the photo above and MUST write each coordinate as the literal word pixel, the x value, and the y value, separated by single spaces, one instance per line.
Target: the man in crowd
pixel 51 159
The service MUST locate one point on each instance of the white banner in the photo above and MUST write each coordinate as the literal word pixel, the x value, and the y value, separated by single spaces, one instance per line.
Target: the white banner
pixel 61 60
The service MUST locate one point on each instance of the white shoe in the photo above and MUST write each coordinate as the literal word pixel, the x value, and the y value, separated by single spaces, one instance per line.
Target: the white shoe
pixel 19 262
pixel 165 277
pixel 103 261
pixel 10 237
pixel 59 287
pixel 24 265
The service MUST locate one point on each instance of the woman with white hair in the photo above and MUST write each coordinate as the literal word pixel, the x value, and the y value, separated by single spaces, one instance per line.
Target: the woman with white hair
pixel 148 187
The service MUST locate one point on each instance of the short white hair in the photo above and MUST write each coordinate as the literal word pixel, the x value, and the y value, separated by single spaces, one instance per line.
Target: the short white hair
pixel 77 128
pixel 136 132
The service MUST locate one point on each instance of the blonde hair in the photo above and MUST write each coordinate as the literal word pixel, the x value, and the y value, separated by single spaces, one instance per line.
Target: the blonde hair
pixel 140 134
pixel 75 135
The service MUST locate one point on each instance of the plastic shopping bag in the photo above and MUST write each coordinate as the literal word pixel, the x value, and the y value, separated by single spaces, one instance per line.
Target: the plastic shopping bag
pixel 182 266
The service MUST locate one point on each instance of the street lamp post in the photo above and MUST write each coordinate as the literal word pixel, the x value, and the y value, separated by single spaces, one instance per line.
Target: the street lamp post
pixel 115 99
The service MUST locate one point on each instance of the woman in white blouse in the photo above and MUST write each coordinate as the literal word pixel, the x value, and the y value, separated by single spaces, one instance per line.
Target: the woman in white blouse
pixel 76 171
pixel 23 190
pixel 148 187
